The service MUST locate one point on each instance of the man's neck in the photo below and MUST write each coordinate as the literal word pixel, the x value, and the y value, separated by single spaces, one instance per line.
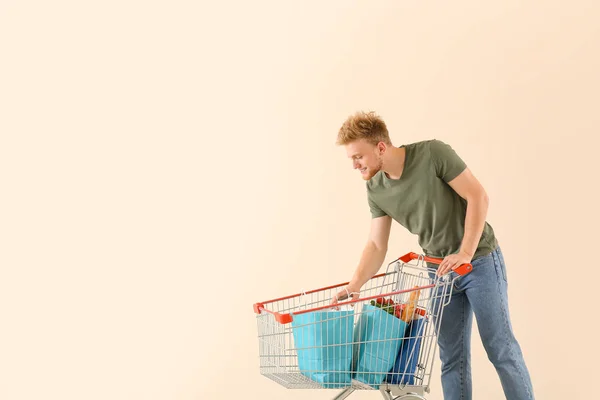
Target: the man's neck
pixel 393 163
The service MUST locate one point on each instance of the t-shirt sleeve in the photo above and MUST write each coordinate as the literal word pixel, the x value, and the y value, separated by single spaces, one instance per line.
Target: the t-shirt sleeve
pixel 448 165
pixel 376 212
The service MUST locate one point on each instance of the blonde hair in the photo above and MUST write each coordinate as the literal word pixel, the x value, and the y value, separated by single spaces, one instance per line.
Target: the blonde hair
pixel 363 125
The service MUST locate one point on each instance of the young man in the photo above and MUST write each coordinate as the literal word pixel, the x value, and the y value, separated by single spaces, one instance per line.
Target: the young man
pixel 428 189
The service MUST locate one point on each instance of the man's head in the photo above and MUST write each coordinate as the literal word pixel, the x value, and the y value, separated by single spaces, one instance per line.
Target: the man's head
pixel 366 139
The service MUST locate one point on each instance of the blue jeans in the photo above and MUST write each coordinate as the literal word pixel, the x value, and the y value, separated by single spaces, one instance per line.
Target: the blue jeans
pixel 482 292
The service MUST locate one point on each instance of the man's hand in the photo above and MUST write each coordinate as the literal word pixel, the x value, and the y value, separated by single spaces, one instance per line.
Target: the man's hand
pixel 452 262
pixel 344 294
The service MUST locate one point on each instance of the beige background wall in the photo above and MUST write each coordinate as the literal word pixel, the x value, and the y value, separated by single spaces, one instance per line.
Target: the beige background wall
pixel 164 165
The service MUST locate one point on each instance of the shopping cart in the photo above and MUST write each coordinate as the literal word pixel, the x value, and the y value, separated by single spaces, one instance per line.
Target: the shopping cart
pixel 383 340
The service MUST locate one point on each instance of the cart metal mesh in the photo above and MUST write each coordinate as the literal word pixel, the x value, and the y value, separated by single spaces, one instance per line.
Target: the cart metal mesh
pixel 384 340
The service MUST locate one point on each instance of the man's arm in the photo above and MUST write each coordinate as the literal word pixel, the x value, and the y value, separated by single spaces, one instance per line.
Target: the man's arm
pixel 372 257
pixel 469 188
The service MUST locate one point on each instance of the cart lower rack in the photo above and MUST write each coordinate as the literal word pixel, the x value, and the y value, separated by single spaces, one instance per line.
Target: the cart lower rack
pixel 385 339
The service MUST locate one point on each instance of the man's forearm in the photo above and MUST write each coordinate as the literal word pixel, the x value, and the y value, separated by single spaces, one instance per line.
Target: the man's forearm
pixel 370 262
pixel 477 208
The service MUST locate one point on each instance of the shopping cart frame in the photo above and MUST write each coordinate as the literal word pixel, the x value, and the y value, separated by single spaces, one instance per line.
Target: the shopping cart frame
pixel 389 391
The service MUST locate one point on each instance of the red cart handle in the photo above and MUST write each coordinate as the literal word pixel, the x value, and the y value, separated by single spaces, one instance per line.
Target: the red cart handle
pixel 462 269
pixel 287 318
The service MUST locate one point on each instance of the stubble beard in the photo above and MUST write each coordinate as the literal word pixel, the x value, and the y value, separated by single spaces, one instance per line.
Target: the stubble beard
pixel 375 170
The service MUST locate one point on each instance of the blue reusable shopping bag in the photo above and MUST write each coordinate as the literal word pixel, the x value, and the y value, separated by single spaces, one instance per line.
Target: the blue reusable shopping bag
pixel 323 341
pixel 405 366
pixel 379 336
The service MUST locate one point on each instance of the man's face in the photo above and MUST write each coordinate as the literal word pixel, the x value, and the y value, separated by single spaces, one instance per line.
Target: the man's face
pixel 365 157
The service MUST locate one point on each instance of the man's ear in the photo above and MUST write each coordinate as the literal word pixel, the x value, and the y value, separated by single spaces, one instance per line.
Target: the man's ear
pixel 381 147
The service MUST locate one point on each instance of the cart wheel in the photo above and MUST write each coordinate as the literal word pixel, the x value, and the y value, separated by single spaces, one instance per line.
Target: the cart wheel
pixel 388 396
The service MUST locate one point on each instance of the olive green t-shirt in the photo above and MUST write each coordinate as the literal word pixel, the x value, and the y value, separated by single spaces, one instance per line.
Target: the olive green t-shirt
pixel 423 202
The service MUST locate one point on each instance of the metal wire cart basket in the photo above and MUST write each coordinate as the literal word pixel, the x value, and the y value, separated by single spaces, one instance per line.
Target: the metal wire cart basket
pixel 383 340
